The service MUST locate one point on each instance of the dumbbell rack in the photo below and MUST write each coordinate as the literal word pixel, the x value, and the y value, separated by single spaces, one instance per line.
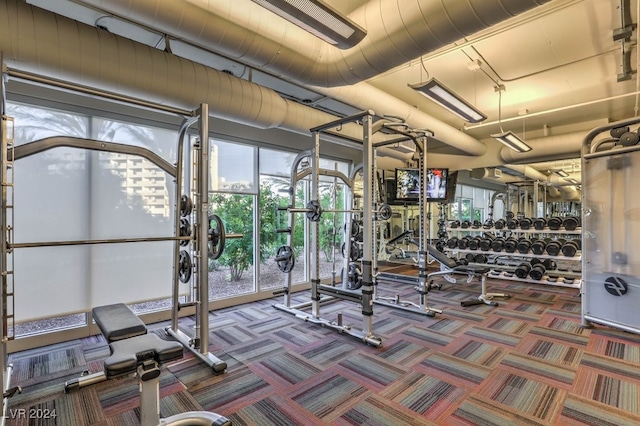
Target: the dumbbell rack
pixel 505 271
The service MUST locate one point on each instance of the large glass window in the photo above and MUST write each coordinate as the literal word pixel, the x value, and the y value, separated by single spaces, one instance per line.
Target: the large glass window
pixel 233 199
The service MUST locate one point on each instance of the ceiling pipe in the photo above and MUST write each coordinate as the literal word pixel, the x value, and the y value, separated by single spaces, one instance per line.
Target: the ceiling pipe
pixel 36 41
pixel 397 32
pixel 225 29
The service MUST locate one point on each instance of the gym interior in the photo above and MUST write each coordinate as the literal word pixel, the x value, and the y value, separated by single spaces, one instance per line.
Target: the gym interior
pixel 412 212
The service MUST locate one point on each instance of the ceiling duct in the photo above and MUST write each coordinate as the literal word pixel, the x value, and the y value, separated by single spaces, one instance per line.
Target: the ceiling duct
pixel 397 32
pixel 36 41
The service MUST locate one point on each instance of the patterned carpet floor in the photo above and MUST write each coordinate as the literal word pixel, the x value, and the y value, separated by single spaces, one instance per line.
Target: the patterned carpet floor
pixel 525 362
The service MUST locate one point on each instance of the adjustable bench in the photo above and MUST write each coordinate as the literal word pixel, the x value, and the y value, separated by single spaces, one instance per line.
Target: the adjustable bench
pixel 142 355
pixel 133 351
pixel 449 266
pixel 116 322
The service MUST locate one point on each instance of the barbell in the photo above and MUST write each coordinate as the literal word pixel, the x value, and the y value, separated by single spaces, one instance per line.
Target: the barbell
pixel 314 210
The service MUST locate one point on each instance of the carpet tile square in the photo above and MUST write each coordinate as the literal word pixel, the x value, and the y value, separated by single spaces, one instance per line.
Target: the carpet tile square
pixel 329 396
pixel 523 395
pixel 456 367
pixel 373 369
pixel 376 411
pixel 403 352
pixel 329 353
pixel 423 394
pixel 584 411
pixel 288 367
pixel 428 336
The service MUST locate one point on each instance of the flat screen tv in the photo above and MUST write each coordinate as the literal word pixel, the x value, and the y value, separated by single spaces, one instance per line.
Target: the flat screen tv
pixel 408 185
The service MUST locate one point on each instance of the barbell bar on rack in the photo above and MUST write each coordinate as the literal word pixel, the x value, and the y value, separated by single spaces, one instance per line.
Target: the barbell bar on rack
pixel 314 211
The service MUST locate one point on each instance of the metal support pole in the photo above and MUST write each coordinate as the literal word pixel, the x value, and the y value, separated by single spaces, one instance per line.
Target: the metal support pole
pixel 368 175
pixel 203 229
pixel 315 230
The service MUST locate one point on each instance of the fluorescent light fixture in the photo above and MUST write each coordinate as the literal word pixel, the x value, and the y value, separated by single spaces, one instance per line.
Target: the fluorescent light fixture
pixel 319 19
pixel 444 97
pixel 560 173
pixel 573 181
pixel 512 141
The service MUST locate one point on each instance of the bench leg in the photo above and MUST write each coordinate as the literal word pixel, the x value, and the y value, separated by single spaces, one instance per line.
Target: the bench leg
pixel 484 298
pixel 149 394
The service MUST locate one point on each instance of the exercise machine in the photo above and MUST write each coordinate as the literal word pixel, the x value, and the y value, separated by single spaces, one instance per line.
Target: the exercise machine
pixel 142 353
pixel 419 139
pixel 371 211
pixel 449 267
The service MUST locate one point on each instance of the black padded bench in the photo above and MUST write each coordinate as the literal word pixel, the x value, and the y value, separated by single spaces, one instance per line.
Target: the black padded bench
pixel 116 322
pixel 449 266
pixel 134 351
pixel 127 355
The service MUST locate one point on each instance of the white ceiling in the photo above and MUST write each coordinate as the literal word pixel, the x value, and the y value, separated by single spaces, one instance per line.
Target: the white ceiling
pixel 558 63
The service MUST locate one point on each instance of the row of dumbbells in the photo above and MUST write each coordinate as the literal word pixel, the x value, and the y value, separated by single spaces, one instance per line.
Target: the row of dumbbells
pixel 569 223
pixel 488 242
pixel 536 269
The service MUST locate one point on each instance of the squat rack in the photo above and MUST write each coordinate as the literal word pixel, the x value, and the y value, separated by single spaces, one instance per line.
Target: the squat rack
pixel 419 138
pixel 202 237
pixel 365 296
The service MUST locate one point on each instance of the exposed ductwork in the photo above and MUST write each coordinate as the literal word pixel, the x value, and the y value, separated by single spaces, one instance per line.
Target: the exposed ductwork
pixel 50 45
pixel 40 42
pixel 397 31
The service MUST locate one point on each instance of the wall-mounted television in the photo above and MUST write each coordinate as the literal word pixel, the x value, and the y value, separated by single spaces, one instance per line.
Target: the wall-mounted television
pixel 408 189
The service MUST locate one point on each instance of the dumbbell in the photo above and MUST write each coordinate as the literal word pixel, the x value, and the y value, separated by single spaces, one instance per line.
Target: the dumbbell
pixel 463 242
pixel 485 243
pixel 512 223
pixel 554 223
pixel 454 224
pixel 488 224
pixel 570 248
pixel 462 262
pixel 476 224
pixel 523 246
pixel 481 258
pixel 522 270
pixel 442 233
pixel 474 243
pixel 553 248
pixel 537 271
pixel 550 265
pixel 538 246
pixel 571 223
pixel 525 223
pixel 470 257
pixel 452 242
pixel 465 224
pixel 539 223
pixel 534 261
pixel 510 245
pixel 441 244
pixel 497 244
pixel 509 215
pixel 500 224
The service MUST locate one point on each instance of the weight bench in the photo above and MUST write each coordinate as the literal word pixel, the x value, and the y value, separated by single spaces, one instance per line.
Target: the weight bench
pixel 116 322
pixel 449 266
pixel 133 351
